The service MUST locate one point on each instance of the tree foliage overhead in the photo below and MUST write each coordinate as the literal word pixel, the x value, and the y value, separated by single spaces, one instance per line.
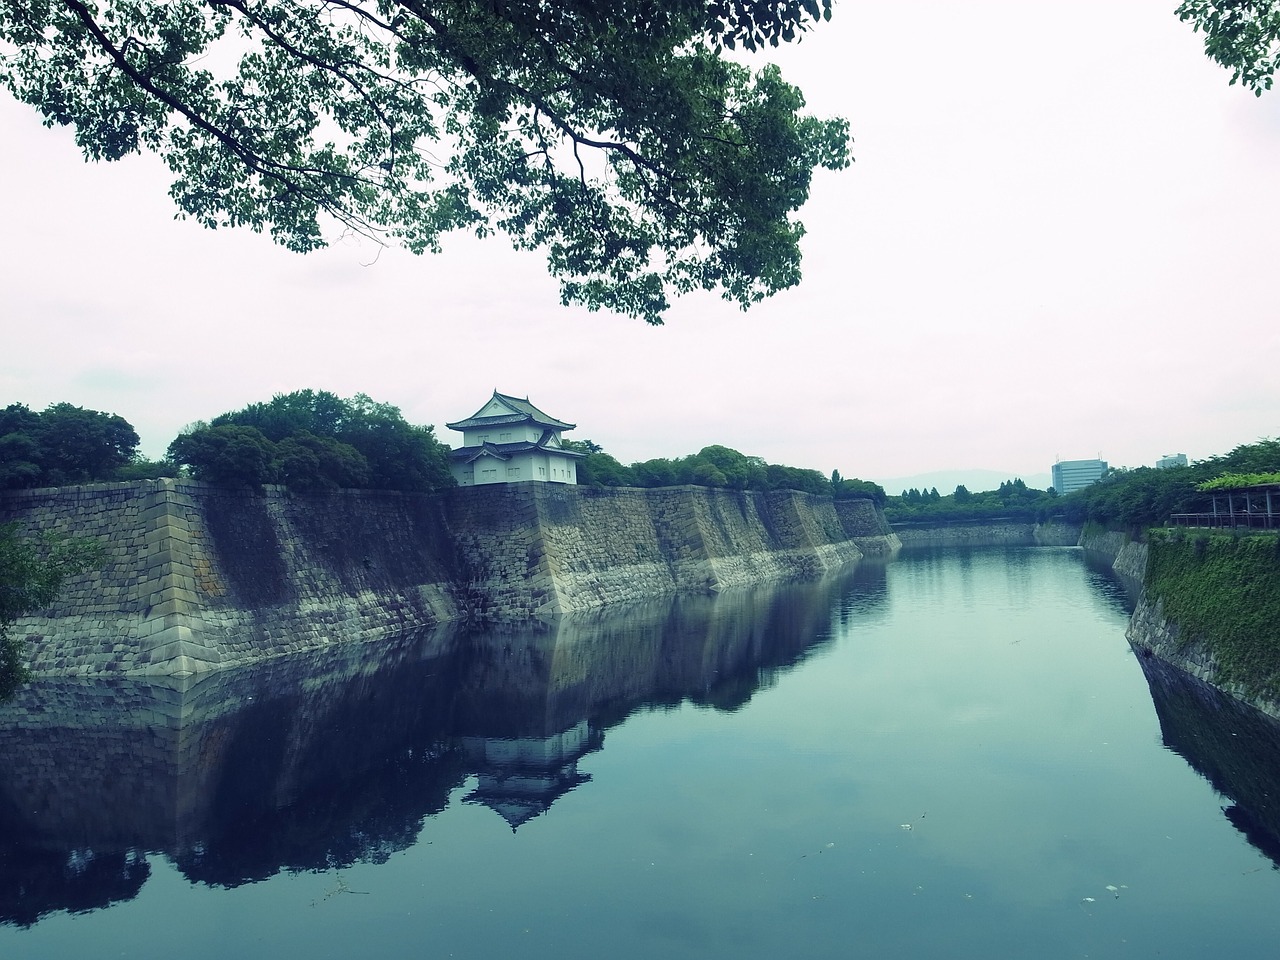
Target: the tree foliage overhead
pixel 613 134
pixel 1241 35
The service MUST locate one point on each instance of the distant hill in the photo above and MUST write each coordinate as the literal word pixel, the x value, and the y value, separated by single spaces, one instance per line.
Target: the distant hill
pixel 975 480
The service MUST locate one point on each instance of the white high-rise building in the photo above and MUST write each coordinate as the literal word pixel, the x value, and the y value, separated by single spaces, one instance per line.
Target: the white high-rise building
pixel 1069 475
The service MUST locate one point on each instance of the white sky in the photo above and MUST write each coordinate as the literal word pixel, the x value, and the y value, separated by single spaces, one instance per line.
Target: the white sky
pixel 1058 240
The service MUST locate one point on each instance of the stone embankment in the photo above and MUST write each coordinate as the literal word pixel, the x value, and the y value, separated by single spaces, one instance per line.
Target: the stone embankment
pixel 199 577
pixel 1126 557
pixel 1152 633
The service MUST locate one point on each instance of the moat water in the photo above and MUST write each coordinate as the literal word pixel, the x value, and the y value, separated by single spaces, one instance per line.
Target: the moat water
pixel 954 754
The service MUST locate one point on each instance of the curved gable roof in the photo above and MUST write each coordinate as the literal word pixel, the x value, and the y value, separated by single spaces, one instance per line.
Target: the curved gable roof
pixel 502 409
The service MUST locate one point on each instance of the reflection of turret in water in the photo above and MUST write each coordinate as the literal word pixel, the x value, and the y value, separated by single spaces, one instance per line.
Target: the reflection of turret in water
pixel 1232 745
pixel 716 650
pixel 534 700
pixel 519 778
pixel 336 757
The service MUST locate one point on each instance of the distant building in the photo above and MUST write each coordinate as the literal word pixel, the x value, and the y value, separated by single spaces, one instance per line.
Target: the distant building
pixel 1069 475
pixel 1172 460
pixel 508 440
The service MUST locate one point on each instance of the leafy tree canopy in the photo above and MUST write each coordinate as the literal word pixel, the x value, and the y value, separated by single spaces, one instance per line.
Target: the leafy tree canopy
pixel 1145 496
pixel 851 488
pixel 315 440
pixel 1237 481
pixel 714 466
pixel 1241 35
pixel 615 135
pixel 1012 500
pixel 228 454
pixel 64 444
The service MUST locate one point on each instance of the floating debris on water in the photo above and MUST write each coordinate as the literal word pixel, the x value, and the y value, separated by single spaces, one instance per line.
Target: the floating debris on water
pixel 339 886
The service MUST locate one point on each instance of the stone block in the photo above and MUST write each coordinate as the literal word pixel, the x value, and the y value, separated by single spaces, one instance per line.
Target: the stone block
pixel 160 510
pixel 167 635
pixel 155 536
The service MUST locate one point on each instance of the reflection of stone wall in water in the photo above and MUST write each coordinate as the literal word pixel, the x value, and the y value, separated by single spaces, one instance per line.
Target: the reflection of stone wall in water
pixel 300 762
pixel 201 577
pixel 1233 746
pixel 333 757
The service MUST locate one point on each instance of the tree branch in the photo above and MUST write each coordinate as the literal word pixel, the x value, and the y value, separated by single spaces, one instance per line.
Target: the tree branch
pixel 263 166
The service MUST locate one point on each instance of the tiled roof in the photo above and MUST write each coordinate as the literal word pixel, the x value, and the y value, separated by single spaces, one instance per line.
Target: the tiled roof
pixel 521 411
pixel 504 451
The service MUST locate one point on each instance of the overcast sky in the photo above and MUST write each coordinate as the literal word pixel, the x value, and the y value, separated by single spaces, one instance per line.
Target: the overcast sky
pixel 1058 241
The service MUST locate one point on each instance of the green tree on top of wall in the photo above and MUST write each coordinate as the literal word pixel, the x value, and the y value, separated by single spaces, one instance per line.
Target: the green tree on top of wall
pixel 64 444
pixel 851 488
pixel 1012 500
pixel 313 440
pixel 714 466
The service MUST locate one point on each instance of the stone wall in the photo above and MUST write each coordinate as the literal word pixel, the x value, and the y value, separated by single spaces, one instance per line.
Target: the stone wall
pixel 1126 556
pixel 200 577
pixel 864 523
pixel 1153 634
pixel 998 533
pixel 543 549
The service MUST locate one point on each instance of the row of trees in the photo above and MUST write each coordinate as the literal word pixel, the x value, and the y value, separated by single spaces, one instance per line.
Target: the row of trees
pixel 310 440
pixel 714 466
pixel 1013 499
pixel 1145 496
pixel 63 444
pixel 315 441
pixel 1123 499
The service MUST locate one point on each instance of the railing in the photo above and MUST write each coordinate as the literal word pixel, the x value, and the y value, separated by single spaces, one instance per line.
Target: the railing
pixel 1254 521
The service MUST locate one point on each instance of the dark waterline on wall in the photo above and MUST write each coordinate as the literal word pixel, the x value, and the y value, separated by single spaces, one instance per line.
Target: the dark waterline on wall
pixel 954 754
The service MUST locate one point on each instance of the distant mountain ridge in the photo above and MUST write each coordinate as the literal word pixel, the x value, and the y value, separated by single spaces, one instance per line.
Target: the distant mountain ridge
pixel 974 480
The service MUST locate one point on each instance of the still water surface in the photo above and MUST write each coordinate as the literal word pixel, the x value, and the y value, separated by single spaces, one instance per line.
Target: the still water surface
pixel 951 755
